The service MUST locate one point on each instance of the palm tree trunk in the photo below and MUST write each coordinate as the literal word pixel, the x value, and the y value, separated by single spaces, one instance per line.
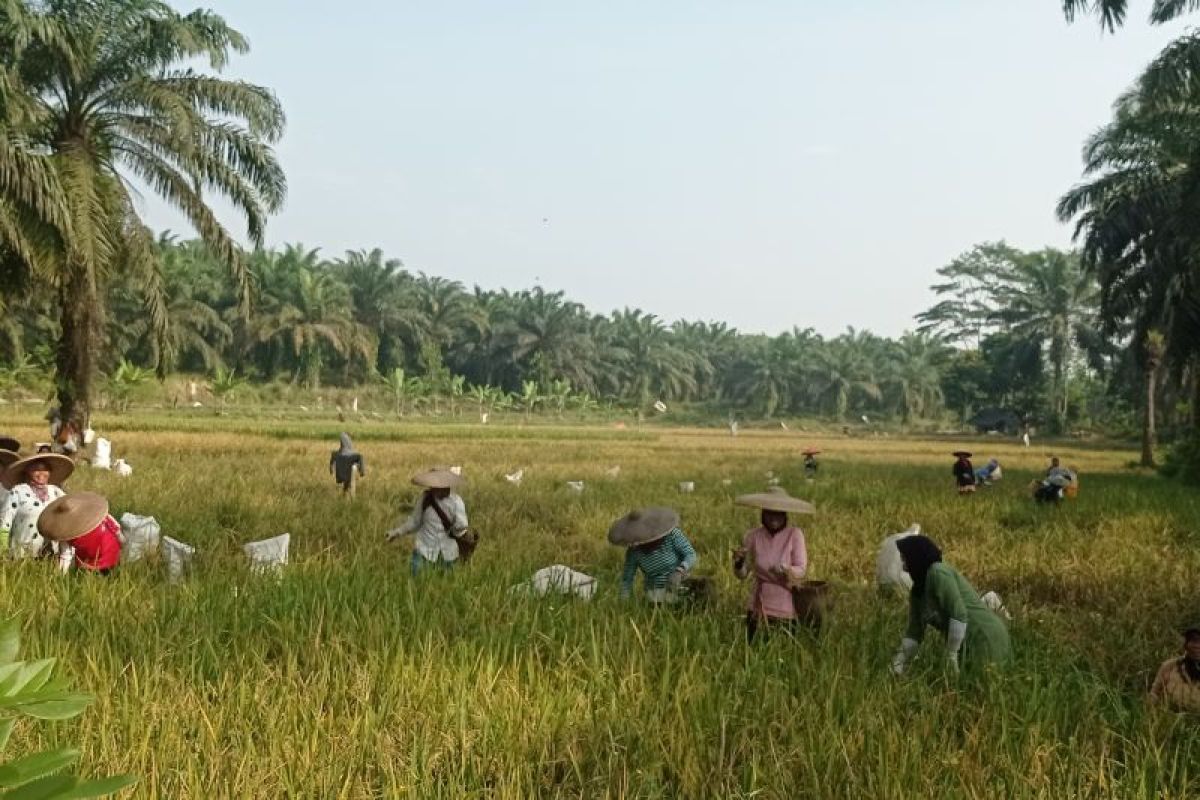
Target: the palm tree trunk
pixel 1148 417
pixel 78 344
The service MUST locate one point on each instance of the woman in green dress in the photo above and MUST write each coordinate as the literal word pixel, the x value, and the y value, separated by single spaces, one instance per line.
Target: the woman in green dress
pixel 941 597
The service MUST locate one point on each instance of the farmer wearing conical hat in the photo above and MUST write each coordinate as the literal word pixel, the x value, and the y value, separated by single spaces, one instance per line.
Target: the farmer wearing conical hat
pixel 810 463
pixel 775 555
pixel 33 483
pixel 657 547
pixel 87 537
pixel 941 597
pixel 438 520
pixel 964 473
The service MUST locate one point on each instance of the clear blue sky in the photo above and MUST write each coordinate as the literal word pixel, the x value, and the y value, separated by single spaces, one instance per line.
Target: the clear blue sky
pixel 768 163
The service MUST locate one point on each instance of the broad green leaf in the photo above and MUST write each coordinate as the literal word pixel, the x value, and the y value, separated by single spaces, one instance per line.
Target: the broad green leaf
pixel 7 671
pixel 38 765
pixel 101 787
pixel 54 787
pixel 10 641
pixel 64 706
pixel 6 727
pixel 32 674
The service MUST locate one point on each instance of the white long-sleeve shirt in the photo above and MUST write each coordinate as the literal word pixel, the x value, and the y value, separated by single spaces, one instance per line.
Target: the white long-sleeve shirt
pixel 433 542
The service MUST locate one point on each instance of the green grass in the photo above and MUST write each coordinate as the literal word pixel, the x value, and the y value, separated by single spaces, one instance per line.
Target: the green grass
pixel 348 679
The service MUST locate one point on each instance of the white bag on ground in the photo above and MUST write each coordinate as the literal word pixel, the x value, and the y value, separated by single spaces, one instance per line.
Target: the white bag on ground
pixel 103 457
pixel 889 566
pixel 269 555
pixel 178 557
pixel 560 580
pixel 121 468
pixel 994 602
pixel 139 537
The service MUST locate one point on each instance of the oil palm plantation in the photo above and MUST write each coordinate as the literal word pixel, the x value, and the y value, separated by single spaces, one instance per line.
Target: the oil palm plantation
pixel 103 96
pixel 1049 299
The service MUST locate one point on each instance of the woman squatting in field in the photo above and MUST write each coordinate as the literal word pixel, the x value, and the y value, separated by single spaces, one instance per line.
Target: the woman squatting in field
pixel 657 547
pixel 439 520
pixel 33 483
pixel 942 597
pixel 86 536
pixel 776 556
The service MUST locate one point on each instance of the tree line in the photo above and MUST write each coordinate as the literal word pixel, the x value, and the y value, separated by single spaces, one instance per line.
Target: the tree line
pixel 100 96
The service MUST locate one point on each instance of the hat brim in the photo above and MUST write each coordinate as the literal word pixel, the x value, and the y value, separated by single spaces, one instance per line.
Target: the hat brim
pixel 437 479
pixel 961 454
pixel 72 516
pixel 7 457
pixel 10 444
pixel 643 526
pixel 810 452
pixel 776 501
pixel 60 468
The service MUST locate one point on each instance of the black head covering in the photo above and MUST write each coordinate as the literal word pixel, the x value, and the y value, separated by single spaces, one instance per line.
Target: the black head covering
pixel 919 554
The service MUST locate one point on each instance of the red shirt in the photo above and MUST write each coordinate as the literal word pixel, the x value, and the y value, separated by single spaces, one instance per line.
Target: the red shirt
pixel 99 548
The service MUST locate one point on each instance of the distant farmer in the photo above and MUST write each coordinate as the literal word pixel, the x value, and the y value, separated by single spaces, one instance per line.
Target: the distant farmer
pixel 810 463
pixel 657 547
pixel 1177 684
pixel 775 555
pixel 87 537
pixel 64 434
pixel 964 473
pixel 33 482
pixel 943 598
pixel 439 522
pixel 343 462
pixel 1058 483
pixel 989 473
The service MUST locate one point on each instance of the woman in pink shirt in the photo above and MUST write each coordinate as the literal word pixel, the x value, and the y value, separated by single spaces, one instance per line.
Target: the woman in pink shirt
pixel 775 555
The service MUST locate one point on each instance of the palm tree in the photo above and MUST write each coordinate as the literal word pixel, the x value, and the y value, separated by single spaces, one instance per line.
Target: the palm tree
pixel 844 369
pixel 1112 12
pixel 650 362
pixel 1048 298
pixel 442 312
pixel 913 373
pixel 548 336
pixel 308 318
pixel 378 288
pixel 1152 354
pixel 114 98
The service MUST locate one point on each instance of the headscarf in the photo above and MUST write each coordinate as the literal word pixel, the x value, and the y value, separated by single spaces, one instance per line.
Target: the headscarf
pixel 919 553
pixel 347 448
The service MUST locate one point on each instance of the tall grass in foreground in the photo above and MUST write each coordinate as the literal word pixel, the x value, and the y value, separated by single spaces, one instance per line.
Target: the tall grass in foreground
pixel 349 679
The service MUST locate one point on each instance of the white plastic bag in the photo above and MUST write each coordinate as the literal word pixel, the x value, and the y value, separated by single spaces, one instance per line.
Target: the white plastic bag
pixel 139 537
pixel 558 579
pixel 103 457
pixel 889 566
pixel 121 468
pixel 178 558
pixel 268 555
pixel 687 487
pixel 994 602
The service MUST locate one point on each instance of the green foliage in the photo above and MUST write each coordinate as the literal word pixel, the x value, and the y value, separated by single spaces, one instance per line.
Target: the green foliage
pixel 1183 460
pixel 123 381
pixel 30 689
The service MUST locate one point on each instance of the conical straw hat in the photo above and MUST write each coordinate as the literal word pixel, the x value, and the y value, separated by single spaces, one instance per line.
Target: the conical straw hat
pixel 71 516
pixel 776 499
pixel 437 479
pixel 643 526
pixel 60 468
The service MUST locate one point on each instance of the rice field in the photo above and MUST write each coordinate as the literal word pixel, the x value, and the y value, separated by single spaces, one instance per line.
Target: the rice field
pixel 348 678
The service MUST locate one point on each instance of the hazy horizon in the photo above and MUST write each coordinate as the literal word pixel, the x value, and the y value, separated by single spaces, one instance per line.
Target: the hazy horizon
pixel 764 165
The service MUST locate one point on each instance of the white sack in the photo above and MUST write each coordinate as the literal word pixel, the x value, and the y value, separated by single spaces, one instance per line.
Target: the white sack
pixel 139 537
pixel 178 558
pixel 889 566
pixel 103 457
pixel 558 579
pixel 268 555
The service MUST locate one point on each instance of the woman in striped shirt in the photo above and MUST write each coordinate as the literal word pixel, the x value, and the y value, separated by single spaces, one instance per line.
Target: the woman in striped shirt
pixel 657 548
